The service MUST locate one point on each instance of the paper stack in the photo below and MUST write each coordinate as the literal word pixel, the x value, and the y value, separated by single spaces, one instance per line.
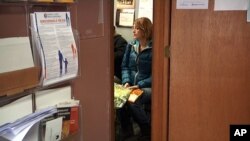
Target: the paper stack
pixel 18 130
pixel 63 123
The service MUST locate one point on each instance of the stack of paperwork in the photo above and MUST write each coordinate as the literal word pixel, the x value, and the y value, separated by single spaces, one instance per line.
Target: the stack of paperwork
pixel 18 130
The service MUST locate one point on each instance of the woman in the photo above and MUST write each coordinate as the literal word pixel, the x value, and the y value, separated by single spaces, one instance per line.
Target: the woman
pixel 136 72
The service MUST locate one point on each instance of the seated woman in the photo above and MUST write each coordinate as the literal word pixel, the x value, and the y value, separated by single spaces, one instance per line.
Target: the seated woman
pixel 136 73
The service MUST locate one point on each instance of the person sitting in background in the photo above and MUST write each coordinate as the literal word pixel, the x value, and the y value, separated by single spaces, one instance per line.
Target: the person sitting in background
pixel 119 47
pixel 136 73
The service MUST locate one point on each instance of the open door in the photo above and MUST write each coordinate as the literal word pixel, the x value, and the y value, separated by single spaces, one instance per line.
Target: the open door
pixel 209 73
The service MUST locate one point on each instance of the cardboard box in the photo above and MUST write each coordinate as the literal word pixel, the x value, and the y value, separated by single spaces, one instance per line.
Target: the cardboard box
pixel 18 81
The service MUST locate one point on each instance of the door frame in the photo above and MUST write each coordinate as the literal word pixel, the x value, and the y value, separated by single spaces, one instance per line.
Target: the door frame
pixel 161 65
pixel 160 68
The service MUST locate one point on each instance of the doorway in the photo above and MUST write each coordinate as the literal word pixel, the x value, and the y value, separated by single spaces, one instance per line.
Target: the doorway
pixel 125 14
pixel 161 23
pixel 214 97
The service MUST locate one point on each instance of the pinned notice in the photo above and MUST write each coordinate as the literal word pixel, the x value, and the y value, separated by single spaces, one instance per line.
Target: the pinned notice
pixel 228 5
pixel 192 4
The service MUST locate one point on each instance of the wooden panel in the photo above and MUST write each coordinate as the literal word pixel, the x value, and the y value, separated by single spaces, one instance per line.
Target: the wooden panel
pixel 160 69
pixel 13 21
pixel 94 88
pixel 92 19
pixel 210 73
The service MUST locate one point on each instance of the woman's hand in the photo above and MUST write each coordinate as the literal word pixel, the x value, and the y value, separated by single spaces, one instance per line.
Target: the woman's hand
pixel 126 85
pixel 133 87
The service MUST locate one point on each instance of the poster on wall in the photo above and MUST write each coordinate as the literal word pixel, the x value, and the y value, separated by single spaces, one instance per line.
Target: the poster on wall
pixel 121 4
pixel 192 4
pixel 54 41
pixel 125 17
pixel 146 9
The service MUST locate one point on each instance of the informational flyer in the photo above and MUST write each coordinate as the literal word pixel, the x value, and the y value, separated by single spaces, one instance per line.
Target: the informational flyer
pixel 56 45
pixel 127 17
pixel 192 4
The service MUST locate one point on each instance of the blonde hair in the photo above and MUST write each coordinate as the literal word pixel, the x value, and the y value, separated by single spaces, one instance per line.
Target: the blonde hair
pixel 145 25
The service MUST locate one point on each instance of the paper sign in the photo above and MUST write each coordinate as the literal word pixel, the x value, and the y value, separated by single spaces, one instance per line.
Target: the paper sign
pixel 53 130
pixel 192 4
pixel 146 9
pixel 226 5
pixel 248 13
pixel 126 17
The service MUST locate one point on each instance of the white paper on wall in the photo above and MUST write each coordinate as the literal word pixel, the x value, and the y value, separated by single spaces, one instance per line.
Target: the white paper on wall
pixel 127 17
pixel 248 13
pixel 192 4
pixel 146 9
pixel 226 5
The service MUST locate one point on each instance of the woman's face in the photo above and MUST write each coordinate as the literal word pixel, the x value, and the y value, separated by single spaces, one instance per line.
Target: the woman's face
pixel 137 32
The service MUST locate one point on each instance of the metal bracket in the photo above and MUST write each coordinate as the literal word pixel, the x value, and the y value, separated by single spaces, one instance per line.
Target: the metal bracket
pixel 167 51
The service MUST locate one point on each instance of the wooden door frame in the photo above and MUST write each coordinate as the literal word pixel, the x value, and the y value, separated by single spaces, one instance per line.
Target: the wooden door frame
pixel 160 84
pixel 160 87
